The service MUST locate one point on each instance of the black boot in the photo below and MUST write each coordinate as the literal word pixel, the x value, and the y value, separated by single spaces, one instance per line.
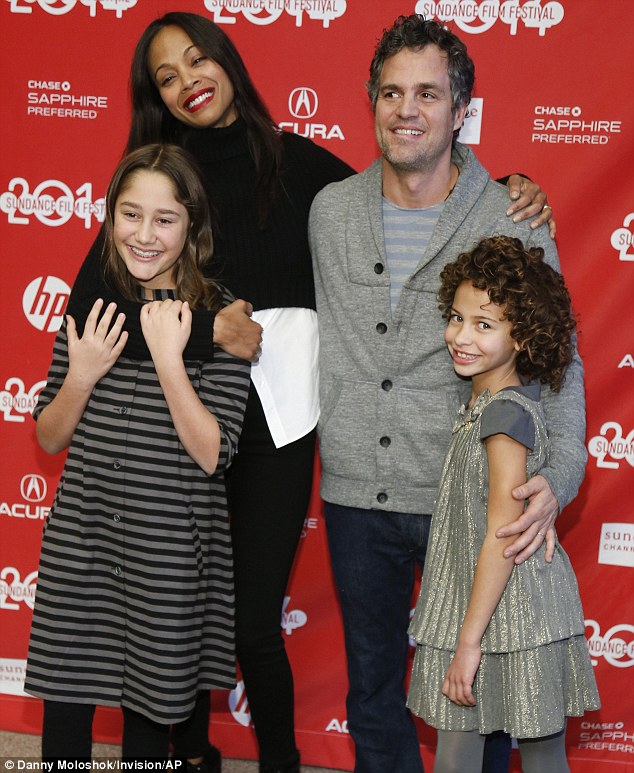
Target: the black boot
pixel 291 767
pixel 211 763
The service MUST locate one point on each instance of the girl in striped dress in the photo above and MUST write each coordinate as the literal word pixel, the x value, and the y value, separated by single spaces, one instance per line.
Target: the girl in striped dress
pixel 134 606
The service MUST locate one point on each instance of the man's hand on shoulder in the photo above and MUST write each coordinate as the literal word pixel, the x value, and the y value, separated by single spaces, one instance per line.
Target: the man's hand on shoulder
pixel 236 333
pixel 536 525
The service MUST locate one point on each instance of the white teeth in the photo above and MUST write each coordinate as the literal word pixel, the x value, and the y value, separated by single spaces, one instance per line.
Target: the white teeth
pixel 199 100
pixel 145 253
pixel 463 356
pixel 415 132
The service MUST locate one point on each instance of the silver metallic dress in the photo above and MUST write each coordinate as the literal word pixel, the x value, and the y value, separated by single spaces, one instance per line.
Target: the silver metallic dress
pixel 535 668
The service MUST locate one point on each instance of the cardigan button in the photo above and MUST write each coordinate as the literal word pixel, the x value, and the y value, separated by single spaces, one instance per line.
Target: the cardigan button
pixel 381 498
pixel 378 268
pixel 385 441
pixel 386 385
pixel 381 328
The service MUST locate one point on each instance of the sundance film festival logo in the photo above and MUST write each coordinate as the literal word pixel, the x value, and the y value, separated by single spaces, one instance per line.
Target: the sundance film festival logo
pixel 15 591
pixel 610 447
pixel 292 619
pixel 622 239
pixel 477 17
pixel 16 401
pixel 616 646
pixel 44 301
pixel 61 7
pixel 52 202
pixel 303 104
pixel 263 12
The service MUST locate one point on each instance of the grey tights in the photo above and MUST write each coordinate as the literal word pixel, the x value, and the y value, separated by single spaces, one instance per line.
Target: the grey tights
pixel 462 751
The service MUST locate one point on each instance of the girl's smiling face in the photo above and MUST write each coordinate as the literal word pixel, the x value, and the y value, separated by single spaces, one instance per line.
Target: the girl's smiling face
pixel 479 340
pixel 150 229
pixel 195 89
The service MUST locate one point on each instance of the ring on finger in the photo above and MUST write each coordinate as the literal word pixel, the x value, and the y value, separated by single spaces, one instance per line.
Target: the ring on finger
pixel 546 206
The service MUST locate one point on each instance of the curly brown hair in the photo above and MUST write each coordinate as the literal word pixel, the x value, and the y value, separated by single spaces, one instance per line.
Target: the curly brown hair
pixel 534 298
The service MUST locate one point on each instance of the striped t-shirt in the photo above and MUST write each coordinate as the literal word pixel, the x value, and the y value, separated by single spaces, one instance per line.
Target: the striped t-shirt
pixel 407 234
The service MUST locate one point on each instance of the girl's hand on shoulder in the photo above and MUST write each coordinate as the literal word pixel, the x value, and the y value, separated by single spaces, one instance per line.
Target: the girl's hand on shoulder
pixel 458 682
pixel 166 327
pixel 91 356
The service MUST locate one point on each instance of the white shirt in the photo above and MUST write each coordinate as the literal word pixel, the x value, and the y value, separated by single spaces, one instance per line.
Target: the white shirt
pixel 287 373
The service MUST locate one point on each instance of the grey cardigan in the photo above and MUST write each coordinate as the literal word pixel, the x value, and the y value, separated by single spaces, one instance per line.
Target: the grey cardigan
pixel 388 389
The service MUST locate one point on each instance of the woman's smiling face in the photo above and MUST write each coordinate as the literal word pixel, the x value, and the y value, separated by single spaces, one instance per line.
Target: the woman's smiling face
pixel 195 89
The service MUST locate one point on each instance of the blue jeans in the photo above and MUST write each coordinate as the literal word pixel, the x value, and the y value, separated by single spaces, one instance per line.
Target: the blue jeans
pixel 373 555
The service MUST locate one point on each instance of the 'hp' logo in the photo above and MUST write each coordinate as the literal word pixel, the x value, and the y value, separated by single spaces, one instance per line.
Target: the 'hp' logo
pixel 44 301
pixel 33 488
pixel 303 103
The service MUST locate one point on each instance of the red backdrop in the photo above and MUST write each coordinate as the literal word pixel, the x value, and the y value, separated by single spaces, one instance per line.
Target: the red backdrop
pixel 553 99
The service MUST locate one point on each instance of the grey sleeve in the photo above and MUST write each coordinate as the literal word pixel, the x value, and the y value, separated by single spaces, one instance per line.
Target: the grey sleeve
pixel 565 413
pixel 506 417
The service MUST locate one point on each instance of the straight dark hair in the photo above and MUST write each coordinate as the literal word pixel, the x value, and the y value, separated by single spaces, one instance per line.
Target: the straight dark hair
pixel 152 122
pixel 180 169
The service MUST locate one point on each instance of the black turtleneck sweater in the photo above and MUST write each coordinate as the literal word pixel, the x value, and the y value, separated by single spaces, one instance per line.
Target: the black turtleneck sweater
pixel 271 266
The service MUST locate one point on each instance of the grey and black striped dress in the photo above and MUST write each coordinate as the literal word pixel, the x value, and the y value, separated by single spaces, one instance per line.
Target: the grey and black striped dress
pixel 135 599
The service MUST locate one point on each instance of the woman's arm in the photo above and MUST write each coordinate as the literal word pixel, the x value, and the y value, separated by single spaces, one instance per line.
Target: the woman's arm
pixel 90 358
pixel 166 326
pixel 529 200
pixel 507 469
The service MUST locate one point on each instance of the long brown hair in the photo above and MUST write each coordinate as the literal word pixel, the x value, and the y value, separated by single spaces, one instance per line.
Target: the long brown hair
pixel 152 121
pixel 180 169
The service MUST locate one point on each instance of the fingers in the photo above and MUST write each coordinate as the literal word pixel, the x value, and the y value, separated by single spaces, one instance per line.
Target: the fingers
pixel 551 542
pixel 460 693
pixel 115 332
pixel 531 203
pixel 71 329
pixel 93 315
pixel 531 540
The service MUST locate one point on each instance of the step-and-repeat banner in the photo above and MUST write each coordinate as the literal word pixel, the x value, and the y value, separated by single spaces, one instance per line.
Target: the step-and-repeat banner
pixel 553 99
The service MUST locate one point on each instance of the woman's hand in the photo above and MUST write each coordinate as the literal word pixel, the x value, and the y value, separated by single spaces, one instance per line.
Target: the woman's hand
pixel 91 356
pixel 237 333
pixel 458 682
pixel 529 200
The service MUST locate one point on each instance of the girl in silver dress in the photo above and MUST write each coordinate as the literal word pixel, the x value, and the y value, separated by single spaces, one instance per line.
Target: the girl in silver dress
pixel 499 646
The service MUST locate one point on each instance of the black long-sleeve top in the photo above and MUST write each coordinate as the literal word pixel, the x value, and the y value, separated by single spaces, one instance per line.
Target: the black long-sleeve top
pixel 271 266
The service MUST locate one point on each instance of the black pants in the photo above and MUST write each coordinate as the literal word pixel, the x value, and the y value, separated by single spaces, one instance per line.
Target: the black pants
pixel 67 732
pixel 269 492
